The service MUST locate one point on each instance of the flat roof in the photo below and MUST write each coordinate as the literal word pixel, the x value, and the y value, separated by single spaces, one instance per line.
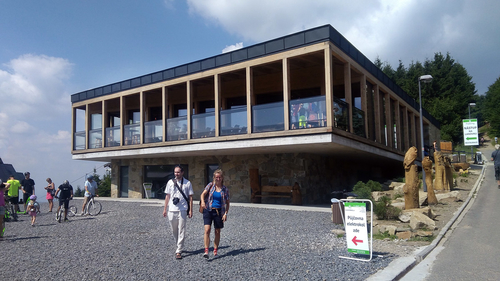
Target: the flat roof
pixel 297 40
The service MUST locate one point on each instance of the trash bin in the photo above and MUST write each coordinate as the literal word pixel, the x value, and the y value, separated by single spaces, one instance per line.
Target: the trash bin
pixel 337 212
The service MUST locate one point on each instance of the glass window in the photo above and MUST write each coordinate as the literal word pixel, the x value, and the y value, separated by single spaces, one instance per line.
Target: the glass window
pixel 211 168
pixel 159 175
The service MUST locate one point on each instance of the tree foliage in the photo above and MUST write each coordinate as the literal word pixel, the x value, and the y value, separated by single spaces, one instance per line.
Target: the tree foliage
pixel 491 109
pixel 446 98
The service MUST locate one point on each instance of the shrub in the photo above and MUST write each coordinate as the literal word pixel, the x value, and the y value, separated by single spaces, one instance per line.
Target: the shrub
pixel 384 210
pixel 362 191
pixel 374 186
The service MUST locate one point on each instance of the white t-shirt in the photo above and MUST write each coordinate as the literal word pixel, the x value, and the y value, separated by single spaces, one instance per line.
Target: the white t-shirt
pixel 174 192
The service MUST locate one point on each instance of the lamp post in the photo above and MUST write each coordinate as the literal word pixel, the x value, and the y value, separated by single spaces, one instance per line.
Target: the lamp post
pixel 471 147
pixel 425 79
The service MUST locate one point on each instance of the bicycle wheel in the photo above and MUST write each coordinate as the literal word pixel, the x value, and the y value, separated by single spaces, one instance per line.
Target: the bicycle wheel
pixel 13 212
pixel 72 211
pixel 94 208
pixel 59 215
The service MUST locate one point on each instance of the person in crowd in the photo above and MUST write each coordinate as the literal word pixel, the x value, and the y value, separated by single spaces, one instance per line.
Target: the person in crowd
pixel 28 188
pixel 178 206
pixel 90 189
pixel 50 193
pixel 3 188
pixel 33 208
pixel 66 191
pixel 495 156
pixel 13 193
pixel 215 204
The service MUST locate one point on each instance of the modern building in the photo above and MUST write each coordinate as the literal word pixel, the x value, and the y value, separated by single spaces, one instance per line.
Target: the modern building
pixel 307 108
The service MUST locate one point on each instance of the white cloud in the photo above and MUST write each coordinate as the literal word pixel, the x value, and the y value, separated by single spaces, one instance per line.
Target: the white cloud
pixel 232 47
pixel 393 30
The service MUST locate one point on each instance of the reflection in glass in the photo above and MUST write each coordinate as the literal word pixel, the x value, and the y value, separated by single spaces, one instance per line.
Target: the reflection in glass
pixel 203 125
pixel 233 121
pixel 132 134
pixel 153 131
pixel 308 113
pixel 79 140
pixel 113 136
pixel 177 128
pixel 268 117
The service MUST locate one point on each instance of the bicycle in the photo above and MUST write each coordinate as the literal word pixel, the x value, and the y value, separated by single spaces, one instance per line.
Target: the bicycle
pixel 10 210
pixel 72 211
pixel 92 207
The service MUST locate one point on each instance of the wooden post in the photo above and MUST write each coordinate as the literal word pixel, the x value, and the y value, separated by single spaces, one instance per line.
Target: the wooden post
pixel 431 196
pixel 254 185
pixel 411 177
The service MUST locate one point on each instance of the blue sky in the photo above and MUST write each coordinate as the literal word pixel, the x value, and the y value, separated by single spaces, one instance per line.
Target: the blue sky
pixel 52 49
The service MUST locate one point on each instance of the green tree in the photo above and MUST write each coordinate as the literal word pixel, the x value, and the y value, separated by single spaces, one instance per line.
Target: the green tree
pixel 491 108
pixel 448 96
pixel 78 192
pixel 104 186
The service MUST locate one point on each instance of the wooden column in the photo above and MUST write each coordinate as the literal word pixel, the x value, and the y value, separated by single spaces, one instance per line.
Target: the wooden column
pixel 250 98
pixel 407 128
pixel 122 119
pixel 328 86
pixel 217 103
pixel 105 122
pixel 286 93
pixel 378 113
pixel 388 121
pixel 189 107
pixel 397 117
pixel 348 92
pixel 413 130
pixel 164 112
pixel 142 112
pixel 87 126
pixel 364 103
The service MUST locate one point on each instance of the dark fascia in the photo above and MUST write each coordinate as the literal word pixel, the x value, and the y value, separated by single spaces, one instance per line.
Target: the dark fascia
pixel 297 40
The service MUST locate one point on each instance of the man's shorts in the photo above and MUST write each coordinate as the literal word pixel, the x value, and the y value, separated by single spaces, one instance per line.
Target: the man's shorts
pixel 14 200
pixel 26 196
pixel 215 216
pixel 497 173
pixel 65 201
pixel 2 211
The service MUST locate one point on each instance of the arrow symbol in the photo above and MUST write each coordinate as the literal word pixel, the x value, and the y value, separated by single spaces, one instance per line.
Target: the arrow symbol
pixel 356 241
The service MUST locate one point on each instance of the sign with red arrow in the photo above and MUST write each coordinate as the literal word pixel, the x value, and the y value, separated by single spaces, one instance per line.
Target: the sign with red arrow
pixel 356 228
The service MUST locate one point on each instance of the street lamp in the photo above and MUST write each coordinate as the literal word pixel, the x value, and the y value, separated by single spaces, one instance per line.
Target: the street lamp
pixel 471 147
pixel 425 79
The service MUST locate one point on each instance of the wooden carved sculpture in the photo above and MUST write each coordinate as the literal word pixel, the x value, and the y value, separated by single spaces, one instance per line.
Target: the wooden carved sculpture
pixel 411 178
pixel 431 196
pixel 448 184
pixel 440 171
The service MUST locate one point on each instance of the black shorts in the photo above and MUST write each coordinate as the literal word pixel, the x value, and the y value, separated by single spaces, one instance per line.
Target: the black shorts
pixel 497 173
pixel 65 201
pixel 215 216
pixel 26 196
pixel 14 200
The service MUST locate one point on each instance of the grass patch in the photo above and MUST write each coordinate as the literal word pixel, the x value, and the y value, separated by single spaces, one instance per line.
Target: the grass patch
pixel 384 235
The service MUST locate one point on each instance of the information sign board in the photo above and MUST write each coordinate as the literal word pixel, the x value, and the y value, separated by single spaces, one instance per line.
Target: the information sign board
pixel 356 228
pixel 470 132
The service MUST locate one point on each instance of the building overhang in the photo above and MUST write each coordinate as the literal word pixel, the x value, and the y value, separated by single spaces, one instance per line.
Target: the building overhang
pixel 326 144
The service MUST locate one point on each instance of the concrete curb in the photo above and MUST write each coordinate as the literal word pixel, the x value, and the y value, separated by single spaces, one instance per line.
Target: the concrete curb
pixel 399 267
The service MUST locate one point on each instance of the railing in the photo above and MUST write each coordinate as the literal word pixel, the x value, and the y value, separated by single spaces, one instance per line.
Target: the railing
pixel 153 131
pixel 340 114
pixel 203 125
pixel 358 122
pixel 308 113
pixel 95 138
pixel 132 134
pixel 233 121
pixel 177 128
pixel 268 117
pixel 113 136
pixel 79 141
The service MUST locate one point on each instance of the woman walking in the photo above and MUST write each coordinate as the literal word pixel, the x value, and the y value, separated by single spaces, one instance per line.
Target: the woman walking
pixel 215 204
pixel 50 193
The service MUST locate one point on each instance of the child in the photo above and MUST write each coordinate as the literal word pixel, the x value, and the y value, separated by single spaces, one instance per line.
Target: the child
pixel 33 208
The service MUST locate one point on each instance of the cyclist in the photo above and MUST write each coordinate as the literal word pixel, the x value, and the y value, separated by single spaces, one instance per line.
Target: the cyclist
pixel 90 189
pixel 66 194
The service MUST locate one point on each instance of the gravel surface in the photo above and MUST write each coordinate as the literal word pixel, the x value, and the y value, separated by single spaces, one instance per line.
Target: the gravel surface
pixel 132 241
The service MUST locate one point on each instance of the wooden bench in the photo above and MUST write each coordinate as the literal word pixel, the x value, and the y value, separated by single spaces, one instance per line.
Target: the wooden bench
pixel 276 191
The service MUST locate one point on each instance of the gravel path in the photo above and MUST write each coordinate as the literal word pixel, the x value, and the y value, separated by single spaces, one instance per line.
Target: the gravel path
pixel 132 241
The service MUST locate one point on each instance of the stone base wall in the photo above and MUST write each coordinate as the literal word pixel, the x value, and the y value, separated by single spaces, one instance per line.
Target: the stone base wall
pixel 317 175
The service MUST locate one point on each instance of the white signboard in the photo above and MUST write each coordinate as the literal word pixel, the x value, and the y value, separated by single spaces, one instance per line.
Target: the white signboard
pixel 470 132
pixel 356 228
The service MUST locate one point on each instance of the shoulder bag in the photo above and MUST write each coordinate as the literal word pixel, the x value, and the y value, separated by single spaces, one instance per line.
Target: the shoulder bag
pixel 206 197
pixel 183 195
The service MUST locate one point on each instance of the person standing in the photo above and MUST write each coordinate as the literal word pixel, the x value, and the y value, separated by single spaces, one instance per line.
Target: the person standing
pixel 13 193
pixel 179 203
pixel 90 190
pixel 2 208
pixel 215 209
pixel 495 156
pixel 28 188
pixel 66 194
pixel 33 208
pixel 50 193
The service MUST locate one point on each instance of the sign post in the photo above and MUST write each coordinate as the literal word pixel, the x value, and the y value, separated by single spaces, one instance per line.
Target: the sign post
pixel 470 132
pixel 356 228
pixel 147 189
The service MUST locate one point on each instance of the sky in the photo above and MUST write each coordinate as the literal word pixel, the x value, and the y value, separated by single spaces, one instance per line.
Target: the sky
pixel 52 49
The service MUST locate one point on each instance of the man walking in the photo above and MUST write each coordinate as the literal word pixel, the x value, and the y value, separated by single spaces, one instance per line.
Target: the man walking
pixel 28 188
pixel 495 156
pixel 179 203
pixel 90 190
pixel 14 192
